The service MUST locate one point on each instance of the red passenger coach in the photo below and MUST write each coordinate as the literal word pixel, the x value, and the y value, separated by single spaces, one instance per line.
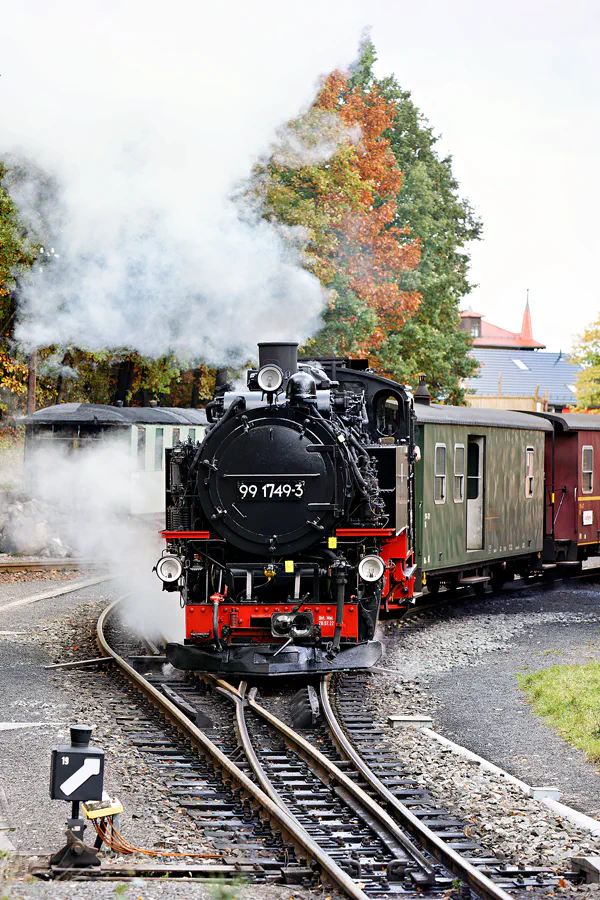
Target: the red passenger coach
pixel 572 473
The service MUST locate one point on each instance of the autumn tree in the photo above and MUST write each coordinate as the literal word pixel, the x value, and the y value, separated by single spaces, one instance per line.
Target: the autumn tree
pixel 430 206
pixel 334 175
pixel 586 353
pixel 388 228
pixel 17 254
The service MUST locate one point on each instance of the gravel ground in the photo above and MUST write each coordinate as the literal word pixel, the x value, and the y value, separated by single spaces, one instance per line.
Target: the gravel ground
pixel 29 693
pixel 17 590
pixel 67 696
pixel 139 889
pixel 461 669
pixel 442 666
pixel 48 575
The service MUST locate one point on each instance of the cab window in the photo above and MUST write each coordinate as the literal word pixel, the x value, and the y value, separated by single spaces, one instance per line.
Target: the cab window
pixel 387 414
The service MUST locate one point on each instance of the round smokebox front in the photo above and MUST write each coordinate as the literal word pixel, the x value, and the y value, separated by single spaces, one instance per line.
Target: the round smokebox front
pixel 273 483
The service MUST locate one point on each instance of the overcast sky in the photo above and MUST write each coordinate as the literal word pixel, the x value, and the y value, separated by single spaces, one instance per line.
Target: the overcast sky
pixel 513 88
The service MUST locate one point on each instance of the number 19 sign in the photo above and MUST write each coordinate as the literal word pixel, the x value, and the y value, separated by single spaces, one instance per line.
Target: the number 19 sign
pixel 77 770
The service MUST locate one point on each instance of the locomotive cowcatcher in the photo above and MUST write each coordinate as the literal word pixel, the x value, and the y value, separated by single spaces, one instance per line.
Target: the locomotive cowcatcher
pixel 292 521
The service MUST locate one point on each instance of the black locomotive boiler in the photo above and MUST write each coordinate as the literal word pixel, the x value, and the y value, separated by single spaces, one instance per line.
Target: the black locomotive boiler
pixel 291 521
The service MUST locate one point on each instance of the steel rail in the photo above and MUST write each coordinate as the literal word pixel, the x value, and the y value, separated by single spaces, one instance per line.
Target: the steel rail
pixel 248 747
pixel 325 767
pixel 438 848
pixel 40 565
pixel 282 820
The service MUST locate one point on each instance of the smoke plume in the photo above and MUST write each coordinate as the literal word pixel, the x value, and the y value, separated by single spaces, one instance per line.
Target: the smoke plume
pixel 146 118
pixel 87 496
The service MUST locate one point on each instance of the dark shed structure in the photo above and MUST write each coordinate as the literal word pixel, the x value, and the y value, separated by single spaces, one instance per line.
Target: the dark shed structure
pixel 144 433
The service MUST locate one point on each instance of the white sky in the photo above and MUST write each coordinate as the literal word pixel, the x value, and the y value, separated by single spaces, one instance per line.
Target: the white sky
pixel 514 90
pixel 512 87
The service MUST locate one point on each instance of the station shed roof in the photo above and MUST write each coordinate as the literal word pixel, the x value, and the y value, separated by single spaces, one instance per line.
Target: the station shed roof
pixel 482 418
pixel 99 414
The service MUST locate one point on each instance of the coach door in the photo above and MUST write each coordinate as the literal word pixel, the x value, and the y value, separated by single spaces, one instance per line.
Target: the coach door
pixel 475 491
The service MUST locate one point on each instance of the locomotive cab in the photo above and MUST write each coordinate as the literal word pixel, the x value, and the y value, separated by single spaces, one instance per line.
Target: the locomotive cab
pixel 292 520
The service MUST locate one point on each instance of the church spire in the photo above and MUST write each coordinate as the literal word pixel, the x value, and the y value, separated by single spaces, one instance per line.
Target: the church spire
pixel 526 329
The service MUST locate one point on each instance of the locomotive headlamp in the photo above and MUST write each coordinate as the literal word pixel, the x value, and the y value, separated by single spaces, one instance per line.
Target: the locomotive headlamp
pixel 169 569
pixel 371 568
pixel 270 378
pixel 297 626
pixel 281 624
pixel 302 626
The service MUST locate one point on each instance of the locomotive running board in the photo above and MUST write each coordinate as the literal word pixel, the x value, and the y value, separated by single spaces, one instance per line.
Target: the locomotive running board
pixel 246 660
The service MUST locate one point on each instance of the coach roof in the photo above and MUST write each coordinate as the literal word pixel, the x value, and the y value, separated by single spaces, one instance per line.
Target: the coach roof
pixel 98 414
pixel 572 421
pixel 477 417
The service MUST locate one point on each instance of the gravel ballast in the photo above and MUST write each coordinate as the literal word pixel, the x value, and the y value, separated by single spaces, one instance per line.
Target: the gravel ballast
pixel 432 657
pixel 57 699
pixel 460 668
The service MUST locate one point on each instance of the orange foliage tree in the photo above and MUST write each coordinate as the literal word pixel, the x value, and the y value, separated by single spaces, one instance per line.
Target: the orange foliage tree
pixel 339 182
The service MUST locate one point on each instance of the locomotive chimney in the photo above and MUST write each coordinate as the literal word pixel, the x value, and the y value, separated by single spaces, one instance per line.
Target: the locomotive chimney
pixel 283 354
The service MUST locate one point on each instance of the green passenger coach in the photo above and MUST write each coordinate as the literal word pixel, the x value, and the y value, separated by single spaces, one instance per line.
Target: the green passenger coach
pixel 479 495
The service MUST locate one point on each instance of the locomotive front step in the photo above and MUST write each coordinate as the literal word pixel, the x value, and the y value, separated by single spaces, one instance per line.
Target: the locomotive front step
pixel 248 660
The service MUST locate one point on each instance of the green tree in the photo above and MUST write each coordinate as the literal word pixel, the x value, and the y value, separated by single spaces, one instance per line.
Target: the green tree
pixel 586 353
pixel 17 251
pixel 334 176
pixel 430 205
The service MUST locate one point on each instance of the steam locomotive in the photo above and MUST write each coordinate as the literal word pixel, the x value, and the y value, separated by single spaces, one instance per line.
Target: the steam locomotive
pixel 292 521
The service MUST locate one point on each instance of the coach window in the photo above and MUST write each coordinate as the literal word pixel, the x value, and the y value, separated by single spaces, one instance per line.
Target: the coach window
pixel 529 475
pixel 176 433
pixel 459 473
pixel 439 493
pixel 159 449
pixel 141 448
pixel 587 470
pixel 192 435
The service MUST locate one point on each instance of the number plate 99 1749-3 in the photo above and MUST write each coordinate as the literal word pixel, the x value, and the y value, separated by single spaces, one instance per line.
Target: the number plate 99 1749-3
pixel 270 490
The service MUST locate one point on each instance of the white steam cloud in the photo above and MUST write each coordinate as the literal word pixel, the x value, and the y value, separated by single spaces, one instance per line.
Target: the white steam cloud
pixel 314 140
pixel 87 497
pixel 149 116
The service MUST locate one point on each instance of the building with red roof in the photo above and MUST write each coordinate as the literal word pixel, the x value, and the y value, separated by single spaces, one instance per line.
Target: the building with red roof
pixel 485 334
pixel 510 374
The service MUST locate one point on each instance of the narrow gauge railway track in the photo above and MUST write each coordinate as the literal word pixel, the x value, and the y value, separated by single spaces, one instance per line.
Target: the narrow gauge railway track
pixel 370 781
pixel 362 826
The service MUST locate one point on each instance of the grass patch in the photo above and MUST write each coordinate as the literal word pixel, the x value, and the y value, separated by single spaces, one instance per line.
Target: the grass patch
pixel 568 698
